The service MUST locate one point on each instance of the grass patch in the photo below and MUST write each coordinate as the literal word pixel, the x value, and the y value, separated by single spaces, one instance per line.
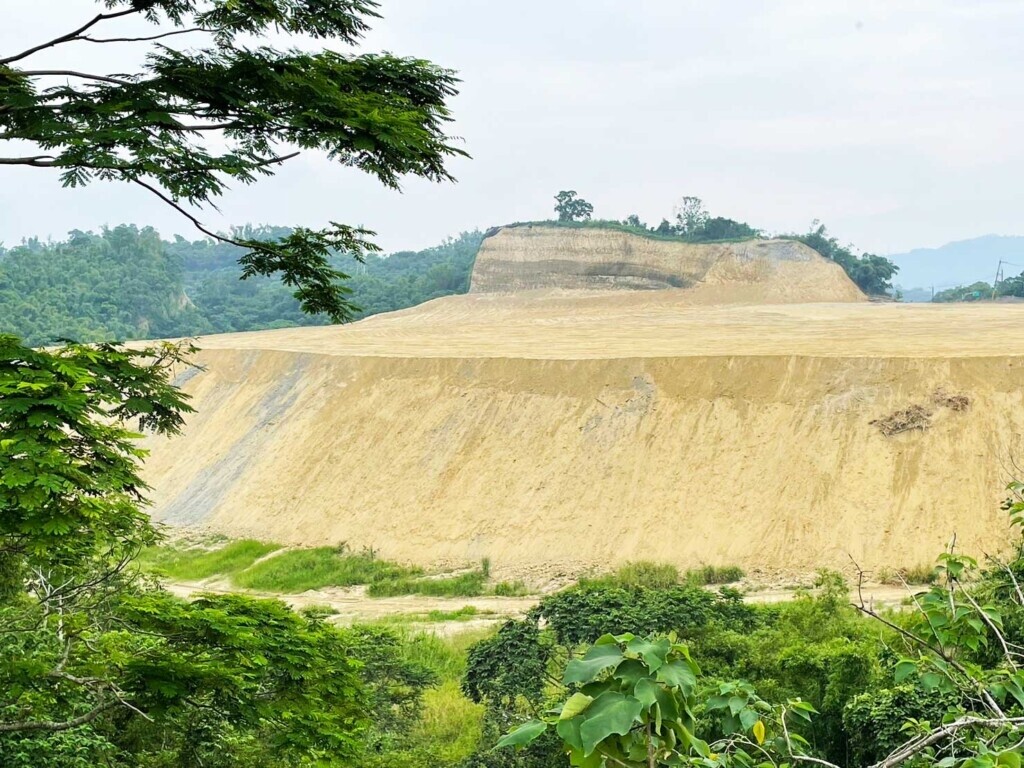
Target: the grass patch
pixel 465 613
pixel 195 564
pixel 449 723
pixel 469 584
pixel 510 589
pixel 708 575
pixel 920 574
pixel 301 569
pixel 445 657
pixel 639 573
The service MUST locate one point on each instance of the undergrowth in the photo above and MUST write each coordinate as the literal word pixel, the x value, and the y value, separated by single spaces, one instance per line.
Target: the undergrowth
pixel 652 575
pixel 299 570
pixel 917 575
pixel 709 575
pixel 470 584
pixel 302 569
pixel 639 573
pixel 195 564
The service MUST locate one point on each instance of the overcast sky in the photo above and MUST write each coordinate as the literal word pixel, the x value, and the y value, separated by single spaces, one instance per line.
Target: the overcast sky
pixel 896 122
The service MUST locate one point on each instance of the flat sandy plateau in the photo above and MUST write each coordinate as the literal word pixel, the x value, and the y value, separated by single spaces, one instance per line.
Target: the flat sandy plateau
pixel 553 432
pixel 668 323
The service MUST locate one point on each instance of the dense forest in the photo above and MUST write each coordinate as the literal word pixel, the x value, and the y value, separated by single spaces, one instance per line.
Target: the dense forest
pixel 127 283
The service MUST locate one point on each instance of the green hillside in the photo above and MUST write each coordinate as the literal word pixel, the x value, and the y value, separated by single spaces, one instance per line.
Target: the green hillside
pixel 127 283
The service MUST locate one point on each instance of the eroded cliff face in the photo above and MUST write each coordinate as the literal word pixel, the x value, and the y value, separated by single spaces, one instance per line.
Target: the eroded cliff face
pixel 528 258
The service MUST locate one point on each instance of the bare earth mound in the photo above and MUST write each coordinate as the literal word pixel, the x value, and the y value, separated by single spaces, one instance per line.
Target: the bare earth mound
pixel 567 429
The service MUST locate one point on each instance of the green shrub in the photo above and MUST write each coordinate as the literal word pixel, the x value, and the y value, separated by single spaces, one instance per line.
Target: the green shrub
pixel 510 589
pixel 194 564
pixel 300 569
pixel 585 613
pixel 920 574
pixel 708 575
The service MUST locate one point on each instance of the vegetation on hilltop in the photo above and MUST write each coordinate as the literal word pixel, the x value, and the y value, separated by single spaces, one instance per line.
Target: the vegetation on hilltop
pixel 693 224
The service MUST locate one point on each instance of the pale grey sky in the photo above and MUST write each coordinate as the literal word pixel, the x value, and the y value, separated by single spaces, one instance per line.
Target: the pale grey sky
pixel 896 122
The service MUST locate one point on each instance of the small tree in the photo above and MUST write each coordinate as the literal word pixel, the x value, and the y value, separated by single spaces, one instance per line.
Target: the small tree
pixel 570 207
pixel 690 216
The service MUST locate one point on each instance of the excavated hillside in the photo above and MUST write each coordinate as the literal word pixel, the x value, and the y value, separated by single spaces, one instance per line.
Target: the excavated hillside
pixel 536 257
pixel 563 429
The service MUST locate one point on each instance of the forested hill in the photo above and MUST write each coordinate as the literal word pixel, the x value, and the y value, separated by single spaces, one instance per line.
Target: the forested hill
pixel 127 283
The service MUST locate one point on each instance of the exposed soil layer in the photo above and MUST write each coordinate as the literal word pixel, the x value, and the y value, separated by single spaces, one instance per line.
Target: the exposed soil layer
pixel 554 433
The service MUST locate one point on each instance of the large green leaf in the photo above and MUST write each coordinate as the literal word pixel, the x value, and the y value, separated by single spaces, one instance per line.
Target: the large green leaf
pixel 669 706
pixel 653 652
pixel 523 735
pixel 646 692
pixel 576 704
pixel 569 731
pixel 579 760
pixel 679 674
pixel 631 671
pixel 610 713
pixel 598 659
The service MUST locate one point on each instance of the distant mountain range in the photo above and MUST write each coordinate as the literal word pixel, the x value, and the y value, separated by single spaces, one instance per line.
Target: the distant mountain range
pixel 960 263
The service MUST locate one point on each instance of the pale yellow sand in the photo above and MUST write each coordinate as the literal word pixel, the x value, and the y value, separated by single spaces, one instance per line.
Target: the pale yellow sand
pixel 559 432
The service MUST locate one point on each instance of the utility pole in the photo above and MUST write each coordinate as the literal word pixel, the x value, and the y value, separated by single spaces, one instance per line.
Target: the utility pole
pixel 995 283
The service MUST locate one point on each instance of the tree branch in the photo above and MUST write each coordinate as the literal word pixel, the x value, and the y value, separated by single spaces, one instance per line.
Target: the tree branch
pixel 916 746
pixel 195 221
pixel 191 217
pixel 70 35
pixel 36 161
pixel 144 39
pixel 73 73
pixel 44 725
pixel 796 755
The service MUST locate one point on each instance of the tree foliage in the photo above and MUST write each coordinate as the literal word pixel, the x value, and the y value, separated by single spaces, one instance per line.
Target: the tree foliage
pixel 872 274
pixel 571 207
pixel 193 119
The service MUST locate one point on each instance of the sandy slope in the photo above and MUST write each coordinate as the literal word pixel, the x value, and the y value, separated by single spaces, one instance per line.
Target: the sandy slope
pixel 564 431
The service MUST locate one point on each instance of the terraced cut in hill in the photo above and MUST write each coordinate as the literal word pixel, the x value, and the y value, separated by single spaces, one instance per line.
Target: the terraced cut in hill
pixel 529 257
pixel 564 429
